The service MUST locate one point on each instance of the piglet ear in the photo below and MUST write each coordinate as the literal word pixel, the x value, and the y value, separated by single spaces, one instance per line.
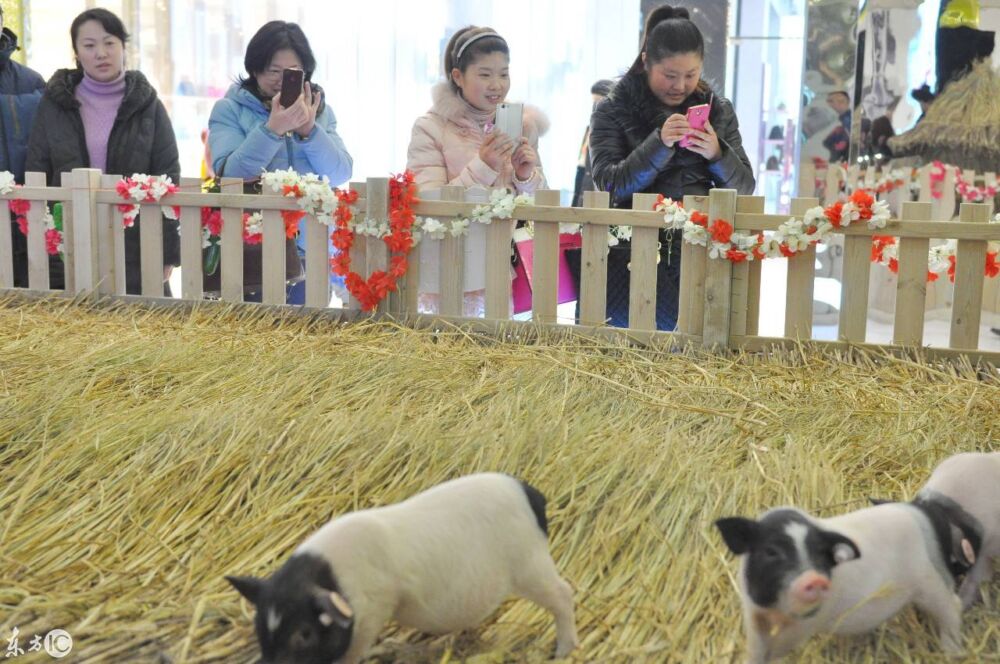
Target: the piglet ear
pixel 842 549
pixel 878 501
pixel 739 533
pixel 334 609
pixel 247 586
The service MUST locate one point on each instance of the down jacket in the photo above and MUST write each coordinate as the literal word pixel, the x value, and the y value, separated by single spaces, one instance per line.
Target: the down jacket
pixel 20 91
pixel 628 156
pixel 444 145
pixel 242 146
pixel 141 141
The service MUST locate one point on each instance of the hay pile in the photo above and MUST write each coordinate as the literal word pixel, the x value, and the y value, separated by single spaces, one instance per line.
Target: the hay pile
pixel 962 126
pixel 143 455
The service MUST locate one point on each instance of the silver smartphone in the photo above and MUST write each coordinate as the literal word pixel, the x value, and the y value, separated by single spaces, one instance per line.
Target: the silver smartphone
pixel 509 119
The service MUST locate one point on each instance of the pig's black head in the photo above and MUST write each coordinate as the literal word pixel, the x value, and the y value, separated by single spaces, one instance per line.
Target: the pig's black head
pixel 301 615
pixel 782 548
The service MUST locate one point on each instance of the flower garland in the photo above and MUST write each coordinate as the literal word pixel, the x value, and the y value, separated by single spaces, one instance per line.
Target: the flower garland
pixel 501 206
pixel 941 259
pixel 971 193
pixel 399 240
pixel 888 182
pixel 334 208
pixel 937 173
pixel 142 188
pixel 20 208
pixel 793 236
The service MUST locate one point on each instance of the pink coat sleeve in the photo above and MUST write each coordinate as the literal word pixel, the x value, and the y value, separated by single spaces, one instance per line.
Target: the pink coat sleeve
pixel 425 157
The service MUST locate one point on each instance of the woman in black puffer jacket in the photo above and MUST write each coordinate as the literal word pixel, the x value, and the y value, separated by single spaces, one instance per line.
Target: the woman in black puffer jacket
pixel 633 148
pixel 101 115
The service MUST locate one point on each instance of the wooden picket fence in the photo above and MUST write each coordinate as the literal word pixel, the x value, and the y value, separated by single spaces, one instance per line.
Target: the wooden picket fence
pixel 720 301
pixel 828 182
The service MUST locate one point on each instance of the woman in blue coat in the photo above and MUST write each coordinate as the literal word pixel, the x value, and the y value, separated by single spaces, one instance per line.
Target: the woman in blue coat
pixel 250 132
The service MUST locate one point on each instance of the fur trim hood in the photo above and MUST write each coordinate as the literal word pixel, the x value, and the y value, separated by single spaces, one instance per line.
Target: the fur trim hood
pixel 450 107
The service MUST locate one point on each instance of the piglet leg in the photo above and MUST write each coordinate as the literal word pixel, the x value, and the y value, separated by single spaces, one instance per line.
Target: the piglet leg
pixel 945 608
pixel 980 572
pixel 539 581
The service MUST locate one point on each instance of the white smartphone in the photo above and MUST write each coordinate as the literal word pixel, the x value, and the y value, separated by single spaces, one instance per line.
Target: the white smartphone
pixel 509 119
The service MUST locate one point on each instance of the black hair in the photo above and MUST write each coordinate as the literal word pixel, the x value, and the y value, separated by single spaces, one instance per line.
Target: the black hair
pixel 272 37
pixel 481 46
pixel 108 20
pixel 839 92
pixel 669 31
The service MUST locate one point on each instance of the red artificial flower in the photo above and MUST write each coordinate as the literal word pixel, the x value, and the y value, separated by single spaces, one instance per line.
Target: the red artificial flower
pixel 862 198
pixel 659 200
pixel 833 212
pixel 291 219
pixel 757 249
pixel 22 223
pixel 211 218
pixel 348 197
pixel 125 207
pixel 123 188
pixel 398 265
pixel 736 256
pixel 992 266
pixel 399 242
pixel 893 266
pixel 951 269
pixel 785 250
pixel 340 264
pixel 381 284
pixel 52 240
pixel 721 231
pixel 19 206
pixel 291 189
pixel 879 243
pixel 932 276
pixel 699 218
pixel 343 239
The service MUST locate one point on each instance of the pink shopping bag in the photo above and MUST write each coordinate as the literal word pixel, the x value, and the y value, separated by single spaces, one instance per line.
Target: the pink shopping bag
pixel 523 271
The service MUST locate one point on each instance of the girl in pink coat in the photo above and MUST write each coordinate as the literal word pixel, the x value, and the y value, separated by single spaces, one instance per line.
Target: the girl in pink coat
pixel 455 143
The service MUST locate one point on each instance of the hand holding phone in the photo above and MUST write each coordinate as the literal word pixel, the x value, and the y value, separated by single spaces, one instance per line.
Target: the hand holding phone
pixel 299 117
pixel 697 116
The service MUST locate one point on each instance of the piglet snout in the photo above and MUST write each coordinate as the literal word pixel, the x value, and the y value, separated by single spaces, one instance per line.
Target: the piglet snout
pixel 810 588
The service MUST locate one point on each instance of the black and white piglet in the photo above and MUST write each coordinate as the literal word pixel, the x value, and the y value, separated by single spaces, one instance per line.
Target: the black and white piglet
pixel 440 562
pixel 801 575
pixel 965 490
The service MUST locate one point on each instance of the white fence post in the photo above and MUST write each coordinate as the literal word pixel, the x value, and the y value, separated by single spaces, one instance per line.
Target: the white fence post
pixel 86 260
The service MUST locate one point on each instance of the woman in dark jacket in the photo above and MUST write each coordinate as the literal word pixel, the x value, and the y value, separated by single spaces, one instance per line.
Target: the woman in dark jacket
pixel 634 147
pixel 101 116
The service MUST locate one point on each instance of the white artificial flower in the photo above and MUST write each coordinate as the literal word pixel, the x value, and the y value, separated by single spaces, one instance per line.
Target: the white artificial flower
pixel 433 228
pixel 880 215
pixel 718 250
pixel 695 234
pixel 6 182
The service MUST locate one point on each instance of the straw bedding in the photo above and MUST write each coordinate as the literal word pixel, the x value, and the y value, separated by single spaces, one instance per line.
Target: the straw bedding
pixel 143 455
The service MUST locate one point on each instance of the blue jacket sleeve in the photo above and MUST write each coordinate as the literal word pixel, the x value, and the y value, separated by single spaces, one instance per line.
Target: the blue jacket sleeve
pixel 237 151
pixel 325 150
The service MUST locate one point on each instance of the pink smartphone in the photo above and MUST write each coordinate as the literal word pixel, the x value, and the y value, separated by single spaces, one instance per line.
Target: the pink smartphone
pixel 697 116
